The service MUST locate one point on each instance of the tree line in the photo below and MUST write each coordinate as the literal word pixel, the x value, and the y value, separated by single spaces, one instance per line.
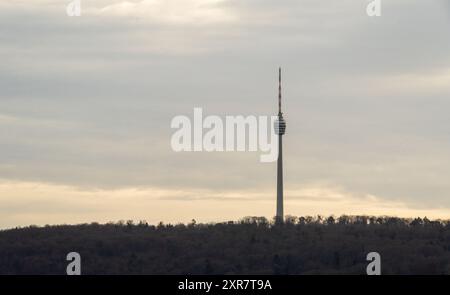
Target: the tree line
pixel 252 245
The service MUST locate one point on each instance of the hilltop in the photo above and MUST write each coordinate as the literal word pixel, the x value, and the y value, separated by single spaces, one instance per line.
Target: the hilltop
pixel 305 245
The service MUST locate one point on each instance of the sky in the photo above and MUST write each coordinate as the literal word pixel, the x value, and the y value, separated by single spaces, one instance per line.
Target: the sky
pixel 86 104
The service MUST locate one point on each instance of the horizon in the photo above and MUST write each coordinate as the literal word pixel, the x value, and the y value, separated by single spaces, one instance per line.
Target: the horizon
pixel 319 219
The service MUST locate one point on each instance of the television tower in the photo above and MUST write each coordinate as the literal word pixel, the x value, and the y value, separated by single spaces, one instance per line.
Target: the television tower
pixel 280 128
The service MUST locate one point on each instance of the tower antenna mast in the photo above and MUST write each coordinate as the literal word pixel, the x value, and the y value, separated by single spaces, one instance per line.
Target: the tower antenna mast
pixel 279 91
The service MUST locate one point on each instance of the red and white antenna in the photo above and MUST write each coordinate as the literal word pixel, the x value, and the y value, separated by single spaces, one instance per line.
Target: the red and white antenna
pixel 279 91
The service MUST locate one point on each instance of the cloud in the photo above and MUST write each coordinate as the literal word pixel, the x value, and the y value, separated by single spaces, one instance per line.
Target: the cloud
pixel 170 11
pixel 86 102
pixel 26 203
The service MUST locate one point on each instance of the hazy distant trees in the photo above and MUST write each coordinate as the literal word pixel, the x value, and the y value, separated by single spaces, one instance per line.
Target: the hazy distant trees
pixel 252 245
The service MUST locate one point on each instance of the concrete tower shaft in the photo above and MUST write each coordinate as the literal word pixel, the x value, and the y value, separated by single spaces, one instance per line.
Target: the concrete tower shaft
pixel 280 129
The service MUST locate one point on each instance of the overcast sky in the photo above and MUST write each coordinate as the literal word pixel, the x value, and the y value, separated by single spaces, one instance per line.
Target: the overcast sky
pixel 86 104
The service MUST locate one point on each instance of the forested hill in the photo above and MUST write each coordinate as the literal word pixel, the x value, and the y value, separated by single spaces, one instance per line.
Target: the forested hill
pixel 304 245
